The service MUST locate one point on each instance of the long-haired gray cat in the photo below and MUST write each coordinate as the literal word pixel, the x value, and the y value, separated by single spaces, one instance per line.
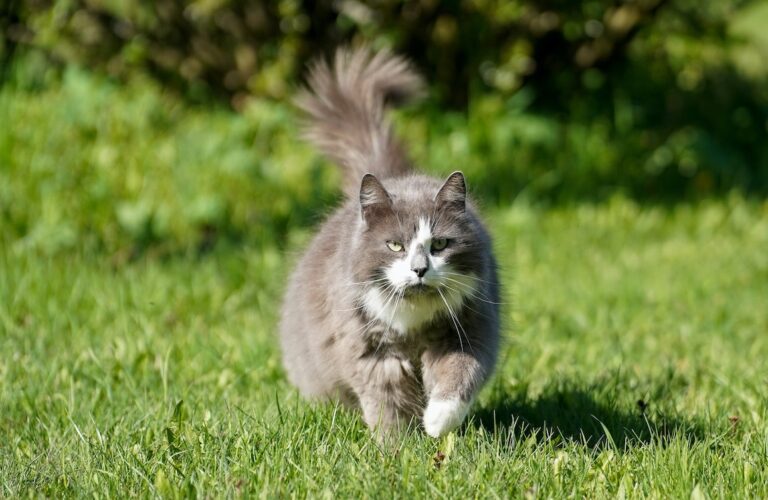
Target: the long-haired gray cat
pixel 393 307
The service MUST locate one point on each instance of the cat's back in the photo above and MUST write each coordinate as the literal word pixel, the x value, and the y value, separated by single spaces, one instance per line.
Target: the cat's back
pixel 313 298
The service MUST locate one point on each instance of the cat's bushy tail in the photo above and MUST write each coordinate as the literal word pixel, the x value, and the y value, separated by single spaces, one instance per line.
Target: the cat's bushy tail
pixel 345 104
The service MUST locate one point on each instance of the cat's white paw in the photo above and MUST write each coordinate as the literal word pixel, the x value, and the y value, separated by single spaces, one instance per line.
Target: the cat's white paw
pixel 444 415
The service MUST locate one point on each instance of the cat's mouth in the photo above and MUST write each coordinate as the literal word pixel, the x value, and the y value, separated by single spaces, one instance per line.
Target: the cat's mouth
pixel 419 289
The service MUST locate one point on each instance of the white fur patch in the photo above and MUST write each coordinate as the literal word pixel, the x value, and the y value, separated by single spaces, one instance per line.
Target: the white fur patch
pixel 444 415
pixel 423 235
pixel 402 315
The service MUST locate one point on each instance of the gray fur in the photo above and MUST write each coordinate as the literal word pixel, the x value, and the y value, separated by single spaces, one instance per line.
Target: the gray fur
pixel 332 346
pixel 345 109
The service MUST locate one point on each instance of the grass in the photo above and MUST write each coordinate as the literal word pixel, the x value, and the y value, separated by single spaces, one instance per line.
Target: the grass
pixel 163 376
pixel 634 361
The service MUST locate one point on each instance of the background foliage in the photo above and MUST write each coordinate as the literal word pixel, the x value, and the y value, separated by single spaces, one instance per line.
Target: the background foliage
pixel 657 97
pixel 540 101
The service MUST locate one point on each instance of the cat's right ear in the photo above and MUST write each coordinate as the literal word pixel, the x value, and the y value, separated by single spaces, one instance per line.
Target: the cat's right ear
pixel 453 193
pixel 373 197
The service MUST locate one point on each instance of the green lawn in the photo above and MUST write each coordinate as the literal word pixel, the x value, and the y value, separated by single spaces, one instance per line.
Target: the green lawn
pixel 634 362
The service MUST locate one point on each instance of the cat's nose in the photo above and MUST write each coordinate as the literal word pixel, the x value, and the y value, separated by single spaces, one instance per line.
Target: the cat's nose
pixel 420 262
pixel 420 271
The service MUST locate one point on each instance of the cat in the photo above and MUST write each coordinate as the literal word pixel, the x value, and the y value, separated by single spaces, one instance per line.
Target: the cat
pixel 393 308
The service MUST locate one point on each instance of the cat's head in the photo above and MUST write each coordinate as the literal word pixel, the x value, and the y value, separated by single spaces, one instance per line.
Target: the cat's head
pixel 421 248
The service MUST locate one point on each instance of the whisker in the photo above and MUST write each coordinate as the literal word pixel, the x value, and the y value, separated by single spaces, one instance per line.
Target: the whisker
pixel 464 303
pixel 463 276
pixel 470 276
pixel 468 289
pixel 475 293
pixel 394 310
pixel 366 327
pixel 391 318
pixel 466 336
pixel 349 310
pixel 368 282
pixel 461 343
pixel 456 323
pixel 386 288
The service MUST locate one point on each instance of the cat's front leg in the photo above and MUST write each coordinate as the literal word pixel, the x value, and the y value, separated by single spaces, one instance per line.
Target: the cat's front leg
pixel 451 379
pixel 389 393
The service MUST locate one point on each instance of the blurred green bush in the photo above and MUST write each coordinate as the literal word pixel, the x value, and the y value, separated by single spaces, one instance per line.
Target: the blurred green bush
pixel 659 97
pixel 125 169
pixel 547 100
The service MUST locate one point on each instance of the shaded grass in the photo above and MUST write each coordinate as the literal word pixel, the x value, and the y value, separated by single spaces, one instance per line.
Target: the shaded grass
pixel 162 377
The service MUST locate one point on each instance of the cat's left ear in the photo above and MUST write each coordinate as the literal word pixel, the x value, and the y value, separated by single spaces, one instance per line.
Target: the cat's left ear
pixel 453 193
pixel 373 197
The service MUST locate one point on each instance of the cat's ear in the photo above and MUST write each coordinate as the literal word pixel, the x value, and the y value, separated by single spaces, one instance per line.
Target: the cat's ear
pixel 453 194
pixel 373 196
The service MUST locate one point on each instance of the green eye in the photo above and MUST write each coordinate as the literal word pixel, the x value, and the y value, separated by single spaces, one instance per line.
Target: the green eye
pixel 439 244
pixel 395 246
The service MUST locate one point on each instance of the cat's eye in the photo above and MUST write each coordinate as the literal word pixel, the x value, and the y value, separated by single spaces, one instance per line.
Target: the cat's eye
pixel 395 246
pixel 439 244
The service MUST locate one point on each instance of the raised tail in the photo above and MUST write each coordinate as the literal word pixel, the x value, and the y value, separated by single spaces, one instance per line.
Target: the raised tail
pixel 345 106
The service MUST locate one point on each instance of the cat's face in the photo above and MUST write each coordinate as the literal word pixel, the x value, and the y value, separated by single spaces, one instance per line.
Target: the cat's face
pixel 420 251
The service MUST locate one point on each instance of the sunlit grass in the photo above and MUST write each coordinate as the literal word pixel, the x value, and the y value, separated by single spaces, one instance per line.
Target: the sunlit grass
pixel 633 364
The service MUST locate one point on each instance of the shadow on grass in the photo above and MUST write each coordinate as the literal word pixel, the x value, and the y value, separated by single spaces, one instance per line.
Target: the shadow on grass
pixel 575 415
